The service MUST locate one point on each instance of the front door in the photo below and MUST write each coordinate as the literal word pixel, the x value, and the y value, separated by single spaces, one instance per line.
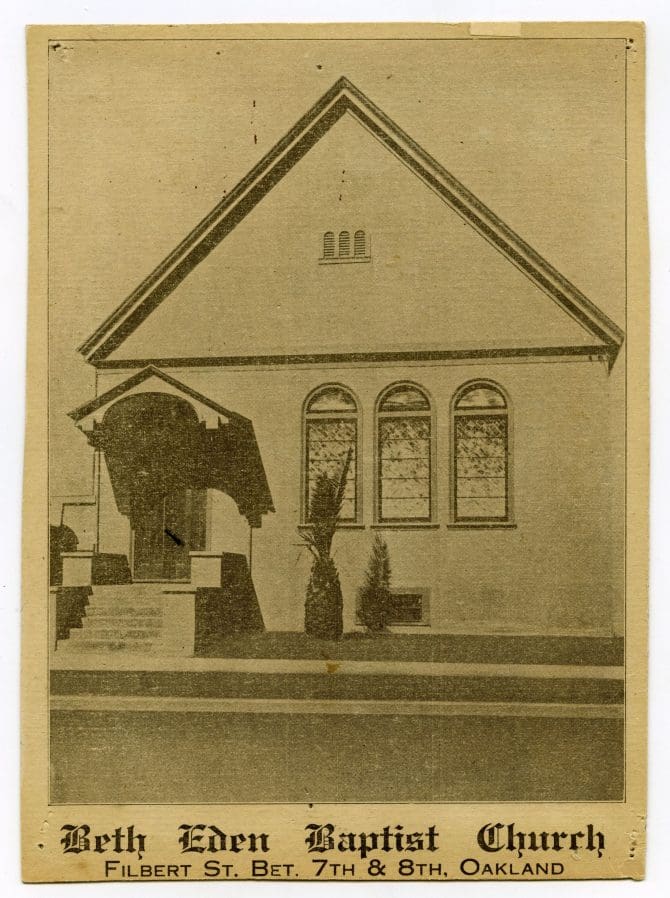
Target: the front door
pixel 167 528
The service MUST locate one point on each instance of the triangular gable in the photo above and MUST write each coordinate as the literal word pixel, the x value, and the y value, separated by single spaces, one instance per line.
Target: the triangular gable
pixel 151 379
pixel 344 97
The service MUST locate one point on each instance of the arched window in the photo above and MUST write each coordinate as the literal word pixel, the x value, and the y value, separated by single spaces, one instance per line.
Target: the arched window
pixel 359 243
pixel 481 453
pixel 344 243
pixel 330 431
pixel 404 455
pixel 328 245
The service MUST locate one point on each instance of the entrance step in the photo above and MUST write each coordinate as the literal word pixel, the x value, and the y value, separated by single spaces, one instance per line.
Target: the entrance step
pixel 125 607
pixel 119 613
pixel 116 634
pixel 104 646
pixel 128 591
pixel 141 619
pixel 120 618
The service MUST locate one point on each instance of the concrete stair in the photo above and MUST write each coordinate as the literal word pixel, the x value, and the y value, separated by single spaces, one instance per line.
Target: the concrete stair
pixel 124 618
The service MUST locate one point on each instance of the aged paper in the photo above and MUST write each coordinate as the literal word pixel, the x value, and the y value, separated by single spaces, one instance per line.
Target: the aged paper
pixel 335 522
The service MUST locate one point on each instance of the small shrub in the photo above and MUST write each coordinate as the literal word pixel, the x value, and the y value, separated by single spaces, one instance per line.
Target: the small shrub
pixel 374 596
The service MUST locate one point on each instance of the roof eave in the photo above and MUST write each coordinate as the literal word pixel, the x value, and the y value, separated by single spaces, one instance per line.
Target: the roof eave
pixel 164 279
pixel 117 392
pixel 89 347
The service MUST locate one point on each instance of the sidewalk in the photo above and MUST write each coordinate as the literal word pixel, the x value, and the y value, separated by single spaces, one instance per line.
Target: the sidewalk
pixel 163 704
pixel 242 685
pixel 112 661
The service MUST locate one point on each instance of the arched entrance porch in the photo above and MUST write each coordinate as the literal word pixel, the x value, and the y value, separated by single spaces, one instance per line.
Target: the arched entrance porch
pixel 153 454
pixel 169 452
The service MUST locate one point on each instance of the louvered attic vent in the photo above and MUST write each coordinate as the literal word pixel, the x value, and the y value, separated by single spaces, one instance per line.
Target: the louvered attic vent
pixel 341 248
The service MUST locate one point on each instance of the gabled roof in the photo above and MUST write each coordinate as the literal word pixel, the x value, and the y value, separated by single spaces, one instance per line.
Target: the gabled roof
pixel 129 386
pixel 343 97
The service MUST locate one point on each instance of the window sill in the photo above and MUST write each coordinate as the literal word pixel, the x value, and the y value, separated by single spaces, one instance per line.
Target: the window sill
pixel 405 629
pixel 483 525
pixel 406 525
pixel 344 260
pixel 342 525
pixel 408 627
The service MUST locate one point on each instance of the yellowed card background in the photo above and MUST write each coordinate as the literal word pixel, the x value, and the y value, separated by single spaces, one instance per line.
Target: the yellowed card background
pixel 624 823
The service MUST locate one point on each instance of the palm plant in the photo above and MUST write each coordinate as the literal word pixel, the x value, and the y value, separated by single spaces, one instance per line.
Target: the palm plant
pixel 323 603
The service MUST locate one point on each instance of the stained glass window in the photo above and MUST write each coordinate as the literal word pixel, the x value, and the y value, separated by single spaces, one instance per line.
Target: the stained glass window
pixel 481 455
pixel 404 455
pixel 331 430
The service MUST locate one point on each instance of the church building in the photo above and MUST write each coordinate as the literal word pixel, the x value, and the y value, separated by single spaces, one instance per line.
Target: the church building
pixel 350 297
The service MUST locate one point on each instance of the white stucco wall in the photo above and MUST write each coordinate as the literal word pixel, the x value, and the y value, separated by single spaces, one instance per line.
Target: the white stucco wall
pixel 560 568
